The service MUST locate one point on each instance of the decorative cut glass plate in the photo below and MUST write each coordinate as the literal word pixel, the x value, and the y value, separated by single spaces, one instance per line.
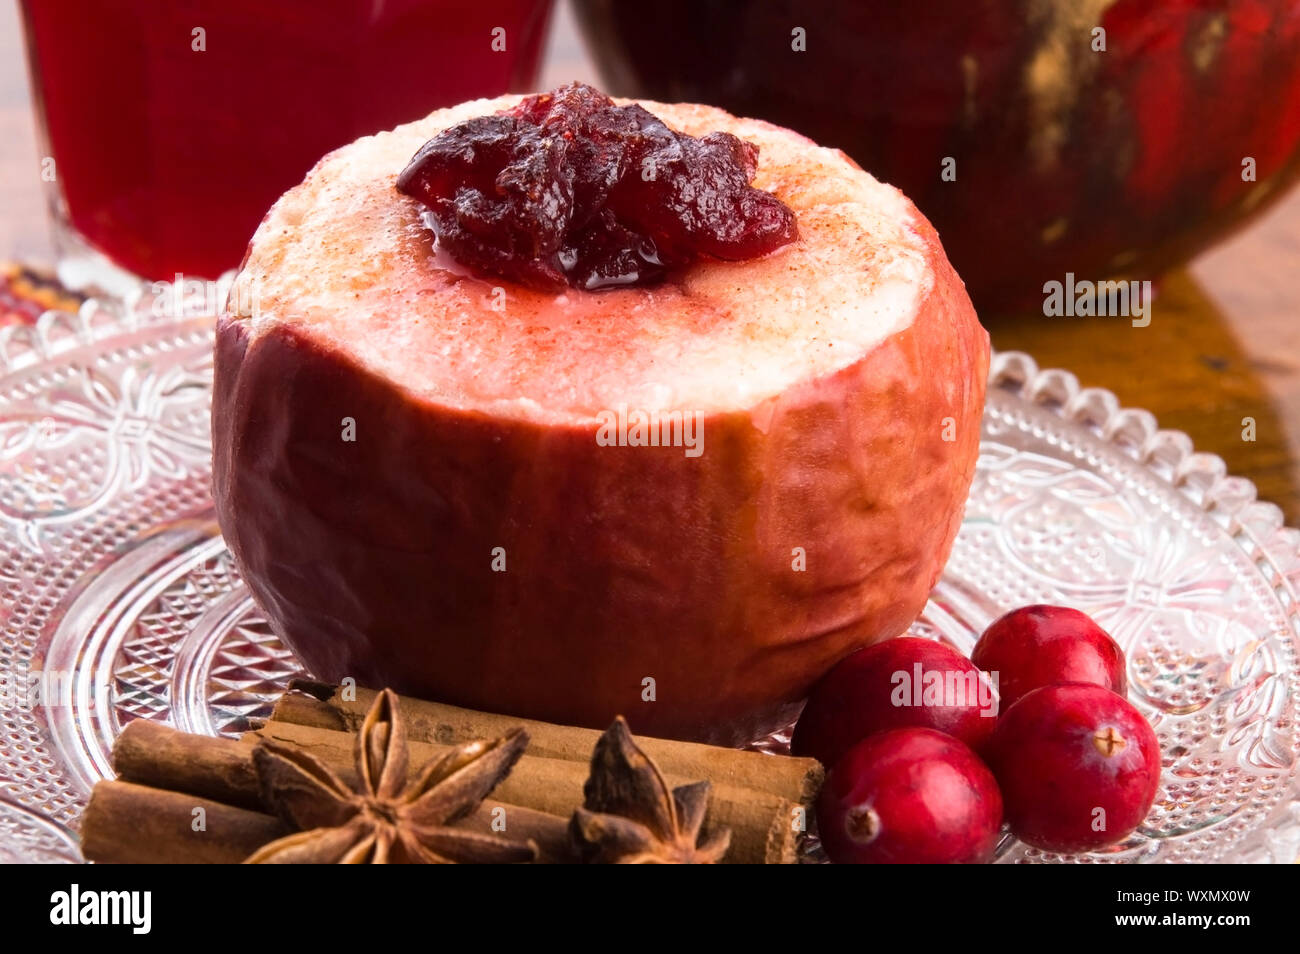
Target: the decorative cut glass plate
pixel 121 602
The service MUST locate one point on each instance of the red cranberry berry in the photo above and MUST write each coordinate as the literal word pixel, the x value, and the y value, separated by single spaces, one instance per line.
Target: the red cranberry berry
pixel 1078 766
pixel 567 187
pixel 909 796
pixel 1037 646
pixel 907 681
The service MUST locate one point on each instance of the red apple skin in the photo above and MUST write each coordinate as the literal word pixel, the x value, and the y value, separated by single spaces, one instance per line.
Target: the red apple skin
pixel 856 699
pixel 1056 767
pixel 932 802
pixel 373 559
pixel 1036 646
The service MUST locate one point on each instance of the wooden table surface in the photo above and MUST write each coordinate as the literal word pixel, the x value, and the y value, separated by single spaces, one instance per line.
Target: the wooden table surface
pixel 1223 344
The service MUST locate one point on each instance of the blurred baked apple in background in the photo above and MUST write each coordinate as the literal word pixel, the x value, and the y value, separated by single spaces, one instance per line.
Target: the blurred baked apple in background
pixel 1066 156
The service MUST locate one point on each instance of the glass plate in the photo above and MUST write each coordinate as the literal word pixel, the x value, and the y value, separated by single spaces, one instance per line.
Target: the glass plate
pixel 120 600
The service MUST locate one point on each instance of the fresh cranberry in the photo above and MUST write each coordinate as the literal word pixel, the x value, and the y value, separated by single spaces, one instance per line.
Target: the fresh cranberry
pixel 568 187
pixel 909 796
pixel 1078 766
pixel 907 681
pixel 1038 646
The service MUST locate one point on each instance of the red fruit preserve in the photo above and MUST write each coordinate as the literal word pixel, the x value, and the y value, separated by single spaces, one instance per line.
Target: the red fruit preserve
pixel 174 126
pixel 568 187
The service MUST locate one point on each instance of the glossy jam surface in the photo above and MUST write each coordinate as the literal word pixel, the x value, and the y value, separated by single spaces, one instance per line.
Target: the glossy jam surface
pixel 568 188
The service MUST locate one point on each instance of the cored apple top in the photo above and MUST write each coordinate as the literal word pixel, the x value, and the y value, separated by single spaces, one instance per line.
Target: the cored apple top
pixel 350 258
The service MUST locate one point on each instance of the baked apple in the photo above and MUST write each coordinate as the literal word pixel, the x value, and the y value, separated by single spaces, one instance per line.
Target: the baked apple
pixel 442 481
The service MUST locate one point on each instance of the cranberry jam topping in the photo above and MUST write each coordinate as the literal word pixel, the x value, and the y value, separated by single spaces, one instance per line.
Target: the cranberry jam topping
pixel 568 188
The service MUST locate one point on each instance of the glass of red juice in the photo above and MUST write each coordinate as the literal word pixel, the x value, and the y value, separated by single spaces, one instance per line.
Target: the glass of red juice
pixel 170 128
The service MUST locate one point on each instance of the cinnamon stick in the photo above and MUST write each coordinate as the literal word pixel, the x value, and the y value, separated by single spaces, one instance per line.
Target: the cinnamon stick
pixel 208 770
pixel 795 779
pixel 157 755
pixel 125 823
pixel 763 825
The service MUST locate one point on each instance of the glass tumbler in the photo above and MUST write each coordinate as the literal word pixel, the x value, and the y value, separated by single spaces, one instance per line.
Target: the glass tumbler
pixel 168 129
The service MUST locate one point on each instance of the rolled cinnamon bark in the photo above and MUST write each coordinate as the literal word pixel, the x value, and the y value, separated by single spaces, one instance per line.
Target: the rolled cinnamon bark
pixel 126 823
pixel 302 708
pixel 157 755
pixel 324 706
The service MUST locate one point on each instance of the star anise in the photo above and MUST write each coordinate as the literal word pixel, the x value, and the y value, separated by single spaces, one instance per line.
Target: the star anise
pixel 630 816
pixel 386 819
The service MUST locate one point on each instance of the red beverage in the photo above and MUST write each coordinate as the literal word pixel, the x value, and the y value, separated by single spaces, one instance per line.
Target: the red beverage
pixel 174 126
